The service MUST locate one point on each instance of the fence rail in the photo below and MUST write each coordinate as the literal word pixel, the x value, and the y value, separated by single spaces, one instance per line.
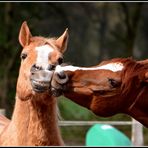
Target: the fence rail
pixel 88 123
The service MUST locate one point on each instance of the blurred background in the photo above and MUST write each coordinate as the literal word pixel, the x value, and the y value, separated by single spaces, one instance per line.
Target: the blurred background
pixel 97 31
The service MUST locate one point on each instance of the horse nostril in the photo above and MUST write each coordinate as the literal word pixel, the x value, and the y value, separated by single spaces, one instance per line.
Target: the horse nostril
pixel 61 78
pixel 35 67
pixel 51 67
pixel 61 75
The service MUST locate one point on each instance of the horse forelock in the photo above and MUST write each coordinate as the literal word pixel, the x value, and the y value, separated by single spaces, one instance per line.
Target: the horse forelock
pixel 40 41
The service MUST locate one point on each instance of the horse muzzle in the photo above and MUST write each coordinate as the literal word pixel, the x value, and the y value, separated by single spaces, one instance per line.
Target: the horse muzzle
pixel 58 83
pixel 40 80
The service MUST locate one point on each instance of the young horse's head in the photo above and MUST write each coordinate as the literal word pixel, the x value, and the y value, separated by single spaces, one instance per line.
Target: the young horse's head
pixel 39 57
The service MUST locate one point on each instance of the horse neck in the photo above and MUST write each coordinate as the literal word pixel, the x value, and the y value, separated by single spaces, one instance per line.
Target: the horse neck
pixel 138 109
pixel 135 88
pixel 139 115
pixel 36 123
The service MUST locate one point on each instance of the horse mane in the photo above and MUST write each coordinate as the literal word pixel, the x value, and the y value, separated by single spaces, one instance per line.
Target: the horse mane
pixel 133 74
pixel 115 60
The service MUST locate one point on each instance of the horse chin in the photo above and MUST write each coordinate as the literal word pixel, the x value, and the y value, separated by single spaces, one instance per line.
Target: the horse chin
pixel 56 92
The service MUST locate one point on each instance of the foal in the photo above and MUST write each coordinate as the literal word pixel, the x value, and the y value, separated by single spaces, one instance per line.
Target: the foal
pixel 115 86
pixel 34 121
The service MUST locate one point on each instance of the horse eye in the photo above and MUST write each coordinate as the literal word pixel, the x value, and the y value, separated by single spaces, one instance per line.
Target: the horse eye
pixel 114 83
pixel 60 61
pixel 23 56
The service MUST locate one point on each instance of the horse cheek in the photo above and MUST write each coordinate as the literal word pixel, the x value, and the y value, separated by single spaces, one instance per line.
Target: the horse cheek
pixel 24 90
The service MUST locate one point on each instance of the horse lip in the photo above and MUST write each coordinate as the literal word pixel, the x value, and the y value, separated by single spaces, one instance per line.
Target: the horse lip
pixel 39 90
pixel 40 83
pixel 40 86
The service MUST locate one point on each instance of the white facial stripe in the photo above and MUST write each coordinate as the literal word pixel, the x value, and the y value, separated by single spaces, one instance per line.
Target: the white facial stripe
pixel 111 66
pixel 43 53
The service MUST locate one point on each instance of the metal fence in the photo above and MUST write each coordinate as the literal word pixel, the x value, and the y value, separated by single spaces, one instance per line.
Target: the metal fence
pixel 136 133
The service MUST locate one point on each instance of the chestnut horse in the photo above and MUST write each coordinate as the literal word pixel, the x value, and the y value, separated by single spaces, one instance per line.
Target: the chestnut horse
pixel 115 86
pixel 35 118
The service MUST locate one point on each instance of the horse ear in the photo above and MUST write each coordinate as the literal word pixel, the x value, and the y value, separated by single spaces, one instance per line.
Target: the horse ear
pixel 62 41
pixel 24 34
pixel 146 77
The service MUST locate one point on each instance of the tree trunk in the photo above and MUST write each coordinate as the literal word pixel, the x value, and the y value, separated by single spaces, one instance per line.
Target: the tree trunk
pixel 10 61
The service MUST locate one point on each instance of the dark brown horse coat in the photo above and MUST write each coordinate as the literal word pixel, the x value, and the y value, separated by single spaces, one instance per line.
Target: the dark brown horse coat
pixel 106 92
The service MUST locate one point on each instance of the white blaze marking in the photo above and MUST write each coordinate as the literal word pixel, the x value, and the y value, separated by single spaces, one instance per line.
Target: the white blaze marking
pixel 111 66
pixel 43 53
